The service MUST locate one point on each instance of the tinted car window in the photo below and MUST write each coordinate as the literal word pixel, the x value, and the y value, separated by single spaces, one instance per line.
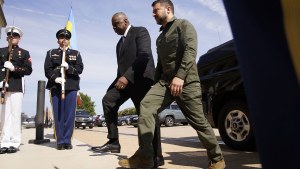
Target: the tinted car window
pixel 82 113
pixel 175 107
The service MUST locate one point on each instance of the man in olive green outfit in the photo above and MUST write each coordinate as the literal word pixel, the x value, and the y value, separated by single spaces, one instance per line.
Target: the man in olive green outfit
pixel 176 79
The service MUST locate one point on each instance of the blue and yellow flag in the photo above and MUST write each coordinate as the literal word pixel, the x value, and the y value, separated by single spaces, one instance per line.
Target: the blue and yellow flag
pixel 70 26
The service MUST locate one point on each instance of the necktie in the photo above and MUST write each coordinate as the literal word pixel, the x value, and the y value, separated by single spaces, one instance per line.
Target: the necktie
pixel 121 44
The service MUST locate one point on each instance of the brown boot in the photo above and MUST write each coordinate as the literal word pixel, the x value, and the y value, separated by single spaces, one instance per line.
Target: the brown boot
pixel 136 162
pixel 217 165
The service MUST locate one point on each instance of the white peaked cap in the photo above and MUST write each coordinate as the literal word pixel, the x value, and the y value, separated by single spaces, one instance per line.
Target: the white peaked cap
pixel 15 30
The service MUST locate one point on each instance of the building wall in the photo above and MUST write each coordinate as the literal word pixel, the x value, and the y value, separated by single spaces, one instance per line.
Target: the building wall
pixel 2 17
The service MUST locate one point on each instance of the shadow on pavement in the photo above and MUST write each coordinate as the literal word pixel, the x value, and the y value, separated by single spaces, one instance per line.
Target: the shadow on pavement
pixel 234 159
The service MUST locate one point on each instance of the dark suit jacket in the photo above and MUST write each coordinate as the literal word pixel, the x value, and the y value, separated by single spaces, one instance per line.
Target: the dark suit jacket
pixel 135 60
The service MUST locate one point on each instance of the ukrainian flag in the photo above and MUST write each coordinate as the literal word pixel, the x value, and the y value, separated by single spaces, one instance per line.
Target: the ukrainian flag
pixel 70 26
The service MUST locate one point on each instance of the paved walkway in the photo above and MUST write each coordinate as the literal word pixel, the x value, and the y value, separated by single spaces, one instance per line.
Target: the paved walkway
pixel 45 156
pixel 180 146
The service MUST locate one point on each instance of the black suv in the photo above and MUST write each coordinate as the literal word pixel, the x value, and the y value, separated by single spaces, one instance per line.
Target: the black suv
pixel 223 96
pixel 126 120
pixel 83 119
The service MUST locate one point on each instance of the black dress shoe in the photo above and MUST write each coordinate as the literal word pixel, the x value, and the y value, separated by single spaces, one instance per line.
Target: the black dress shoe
pixel 60 147
pixel 113 148
pixel 158 161
pixel 3 150
pixel 98 147
pixel 68 146
pixel 12 149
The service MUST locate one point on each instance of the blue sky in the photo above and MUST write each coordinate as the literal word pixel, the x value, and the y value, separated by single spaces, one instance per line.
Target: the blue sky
pixel 96 40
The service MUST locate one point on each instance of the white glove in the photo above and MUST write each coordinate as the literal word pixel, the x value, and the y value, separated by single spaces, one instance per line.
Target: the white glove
pixel 59 80
pixel 9 65
pixel 1 84
pixel 65 65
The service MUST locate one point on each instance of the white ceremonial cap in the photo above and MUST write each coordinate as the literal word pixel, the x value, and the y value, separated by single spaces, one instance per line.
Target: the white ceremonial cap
pixel 15 30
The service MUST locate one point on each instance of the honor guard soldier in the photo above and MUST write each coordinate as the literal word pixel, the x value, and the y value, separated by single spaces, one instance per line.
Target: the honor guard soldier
pixel 62 68
pixel 15 63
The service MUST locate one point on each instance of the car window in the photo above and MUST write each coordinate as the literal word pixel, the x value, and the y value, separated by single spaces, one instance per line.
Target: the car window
pixel 175 107
pixel 79 113
pixel 30 119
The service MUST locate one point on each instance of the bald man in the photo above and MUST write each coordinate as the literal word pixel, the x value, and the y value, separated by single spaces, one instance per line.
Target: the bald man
pixel 135 75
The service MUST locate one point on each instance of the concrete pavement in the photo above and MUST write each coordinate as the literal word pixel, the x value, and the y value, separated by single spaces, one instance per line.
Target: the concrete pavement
pixel 180 145
pixel 46 156
pixel 181 150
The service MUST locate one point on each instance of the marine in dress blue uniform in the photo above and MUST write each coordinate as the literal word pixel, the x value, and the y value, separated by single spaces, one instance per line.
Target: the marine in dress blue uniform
pixel 63 109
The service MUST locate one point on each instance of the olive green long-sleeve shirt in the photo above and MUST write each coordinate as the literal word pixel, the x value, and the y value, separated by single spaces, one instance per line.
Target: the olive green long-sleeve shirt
pixel 177 51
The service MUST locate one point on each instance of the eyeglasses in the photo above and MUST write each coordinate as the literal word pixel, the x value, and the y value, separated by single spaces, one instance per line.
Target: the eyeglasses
pixel 14 35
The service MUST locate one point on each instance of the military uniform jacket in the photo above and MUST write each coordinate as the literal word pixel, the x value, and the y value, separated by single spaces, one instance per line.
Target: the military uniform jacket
pixel 52 68
pixel 177 51
pixel 22 63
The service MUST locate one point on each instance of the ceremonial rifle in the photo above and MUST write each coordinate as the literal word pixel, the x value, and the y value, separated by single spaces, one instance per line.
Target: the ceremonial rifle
pixel 9 56
pixel 63 73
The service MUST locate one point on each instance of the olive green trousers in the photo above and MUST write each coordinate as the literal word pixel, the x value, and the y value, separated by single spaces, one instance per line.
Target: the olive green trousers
pixel 157 99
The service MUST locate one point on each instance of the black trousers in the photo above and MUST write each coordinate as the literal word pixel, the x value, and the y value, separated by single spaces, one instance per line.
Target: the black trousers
pixel 114 98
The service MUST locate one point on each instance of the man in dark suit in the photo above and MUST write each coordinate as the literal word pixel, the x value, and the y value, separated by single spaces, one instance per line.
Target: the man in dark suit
pixel 134 78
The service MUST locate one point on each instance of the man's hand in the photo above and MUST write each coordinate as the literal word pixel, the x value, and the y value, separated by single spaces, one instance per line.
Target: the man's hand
pixel 176 86
pixel 121 83
pixel 9 65
pixel 65 65
pixel 59 80
pixel 1 85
